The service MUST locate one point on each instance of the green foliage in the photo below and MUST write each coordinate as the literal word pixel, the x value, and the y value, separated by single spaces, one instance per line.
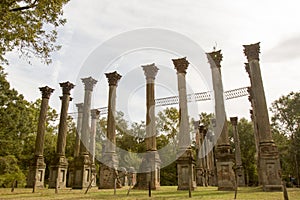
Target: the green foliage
pixel 286 132
pixel 248 149
pixel 10 171
pixel 30 27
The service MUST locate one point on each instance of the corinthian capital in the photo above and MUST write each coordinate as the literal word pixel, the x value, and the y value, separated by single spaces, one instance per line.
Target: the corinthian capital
pixel 46 92
pixel 252 51
pixel 89 83
pixel 113 78
pixel 215 58
pixel 67 87
pixel 95 113
pixel 181 65
pixel 150 71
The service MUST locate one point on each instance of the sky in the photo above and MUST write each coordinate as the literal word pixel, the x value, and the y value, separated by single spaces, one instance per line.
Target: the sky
pixel 223 24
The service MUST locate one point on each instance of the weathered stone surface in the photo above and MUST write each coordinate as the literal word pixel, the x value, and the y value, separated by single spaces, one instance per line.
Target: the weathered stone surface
pixel 109 166
pixel 240 176
pixel 59 167
pixel 185 161
pixel 269 164
pixel 84 169
pixel 224 157
pixel 150 167
pixel 37 169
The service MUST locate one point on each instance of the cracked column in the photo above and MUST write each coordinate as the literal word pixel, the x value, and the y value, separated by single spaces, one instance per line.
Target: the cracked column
pixel 108 169
pixel 238 158
pixel 268 153
pixel 224 156
pixel 77 144
pixel 37 169
pixel 185 159
pixel 58 170
pixel 82 175
pixel 150 167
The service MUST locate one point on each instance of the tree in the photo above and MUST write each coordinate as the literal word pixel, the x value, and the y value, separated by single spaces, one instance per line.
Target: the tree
pixel 286 132
pixel 30 27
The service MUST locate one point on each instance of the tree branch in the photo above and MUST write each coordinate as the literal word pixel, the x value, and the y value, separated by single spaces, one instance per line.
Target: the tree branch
pixel 24 7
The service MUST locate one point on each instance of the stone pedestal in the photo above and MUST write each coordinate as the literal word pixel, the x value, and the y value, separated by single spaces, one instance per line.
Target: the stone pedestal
pixel 185 160
pixel 186 170
pixel 36 173
pixel 151 172
pixel 269 162
pixel 224 157
pixel 83 163
pixel 109 165
pixel 109 172
pixel 82 172
pixel 59 167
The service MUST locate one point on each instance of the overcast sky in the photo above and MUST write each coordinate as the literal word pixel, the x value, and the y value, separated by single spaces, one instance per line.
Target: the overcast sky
pixel 225 24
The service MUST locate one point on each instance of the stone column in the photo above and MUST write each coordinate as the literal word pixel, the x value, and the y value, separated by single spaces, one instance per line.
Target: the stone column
pixel 77 144
pixel 224 156
pixel 37 169
pixel 82 175
pixel 201 156
pixel 150 166
pixel 185 159
pixel 255 131
pixel 210 160
pixel 238 158
pixel 108 169
pixel 78 129
pixel 58 171
pixel 269 156
pixel 199 166
pixel 95 114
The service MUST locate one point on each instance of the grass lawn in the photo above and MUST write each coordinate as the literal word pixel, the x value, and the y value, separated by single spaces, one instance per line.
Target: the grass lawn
pixel 166 192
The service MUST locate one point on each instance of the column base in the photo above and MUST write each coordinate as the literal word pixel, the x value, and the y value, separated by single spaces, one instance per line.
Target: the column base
pixel 82 172
pixel 270 166
pixel 149 171
pixel 36 173
pixel 186 170
pixel 58 173
pixel 109 172
pixel 224 164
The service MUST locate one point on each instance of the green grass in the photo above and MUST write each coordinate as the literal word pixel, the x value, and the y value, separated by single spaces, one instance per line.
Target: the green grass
pixel 166 192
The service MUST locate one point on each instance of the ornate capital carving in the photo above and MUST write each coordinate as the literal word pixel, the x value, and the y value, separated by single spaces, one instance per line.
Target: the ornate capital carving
pixel 181 64
pixel 46 92
pixel 89 83
pixel 67 87
pixel 234 120
pixel 95 113
pixel 113 78
pixel 79 107
pixel 252 51
pixel 150 71
pixel 215 58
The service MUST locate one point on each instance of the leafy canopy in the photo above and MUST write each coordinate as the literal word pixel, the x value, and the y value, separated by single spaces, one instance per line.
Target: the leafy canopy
pixel 30 27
